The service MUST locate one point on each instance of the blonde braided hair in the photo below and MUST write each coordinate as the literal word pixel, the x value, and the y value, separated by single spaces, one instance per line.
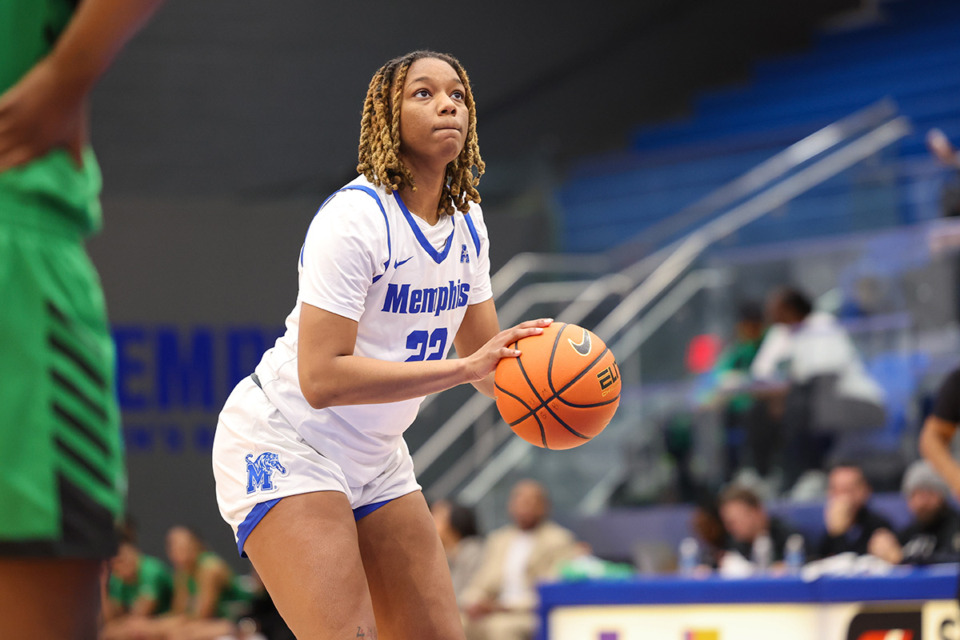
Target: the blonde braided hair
pixel 379 151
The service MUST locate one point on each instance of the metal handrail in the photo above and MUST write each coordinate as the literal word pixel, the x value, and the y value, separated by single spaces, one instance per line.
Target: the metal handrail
pixel 652 272
pixel 766 172
pixel 628 310
pixel 526 264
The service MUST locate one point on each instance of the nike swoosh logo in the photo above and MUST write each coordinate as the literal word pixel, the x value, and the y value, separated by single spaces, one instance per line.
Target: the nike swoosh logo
pixel 582 347
pixel 397 263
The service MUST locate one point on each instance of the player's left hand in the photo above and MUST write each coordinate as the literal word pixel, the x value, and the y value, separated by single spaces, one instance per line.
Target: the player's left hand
pixel 43 110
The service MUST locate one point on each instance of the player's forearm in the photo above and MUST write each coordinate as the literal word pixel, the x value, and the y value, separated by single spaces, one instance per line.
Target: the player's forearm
pixel 350 380
pixel 96 34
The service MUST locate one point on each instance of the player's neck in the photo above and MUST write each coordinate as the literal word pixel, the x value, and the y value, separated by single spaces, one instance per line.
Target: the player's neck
pixel 423 202
pixel 429 180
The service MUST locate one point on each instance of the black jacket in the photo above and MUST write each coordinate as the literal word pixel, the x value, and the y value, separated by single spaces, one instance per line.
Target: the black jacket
pixel 936 541
pixel 857 537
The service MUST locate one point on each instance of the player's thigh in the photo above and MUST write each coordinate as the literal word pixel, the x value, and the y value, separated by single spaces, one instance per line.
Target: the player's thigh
pixel 407 572
pixel 49 598
pixel 306 552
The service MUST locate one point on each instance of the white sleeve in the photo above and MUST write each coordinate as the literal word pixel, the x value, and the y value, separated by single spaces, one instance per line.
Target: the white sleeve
pixel 773 350
pixel 345 249
pixel 481 290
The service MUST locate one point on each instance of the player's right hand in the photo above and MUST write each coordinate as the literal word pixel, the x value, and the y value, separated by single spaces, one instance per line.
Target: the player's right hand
pixel 42 111
pixel 484 360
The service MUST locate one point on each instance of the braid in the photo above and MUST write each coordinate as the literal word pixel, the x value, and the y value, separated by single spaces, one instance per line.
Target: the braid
pixel 379 151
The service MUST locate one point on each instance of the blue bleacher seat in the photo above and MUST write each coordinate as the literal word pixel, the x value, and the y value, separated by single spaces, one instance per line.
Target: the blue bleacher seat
pixel 911 55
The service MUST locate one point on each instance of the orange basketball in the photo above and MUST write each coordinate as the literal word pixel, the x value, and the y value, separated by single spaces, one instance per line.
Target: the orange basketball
pixel 562 390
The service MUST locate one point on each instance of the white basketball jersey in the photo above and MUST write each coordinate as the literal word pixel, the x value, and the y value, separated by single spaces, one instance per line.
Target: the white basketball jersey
pixel 367 258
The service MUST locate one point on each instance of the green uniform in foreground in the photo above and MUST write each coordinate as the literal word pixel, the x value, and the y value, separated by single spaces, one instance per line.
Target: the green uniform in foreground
pixel 63 482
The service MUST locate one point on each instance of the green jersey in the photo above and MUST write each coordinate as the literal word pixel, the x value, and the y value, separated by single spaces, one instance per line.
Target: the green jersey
pixel 52 183
pixel 153 582
pixel 63 482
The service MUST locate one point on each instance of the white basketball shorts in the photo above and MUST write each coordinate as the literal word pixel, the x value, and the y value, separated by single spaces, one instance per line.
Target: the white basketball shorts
pixel 259 459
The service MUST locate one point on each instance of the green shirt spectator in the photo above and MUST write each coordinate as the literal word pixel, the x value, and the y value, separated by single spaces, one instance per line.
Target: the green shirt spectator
pixel 147 591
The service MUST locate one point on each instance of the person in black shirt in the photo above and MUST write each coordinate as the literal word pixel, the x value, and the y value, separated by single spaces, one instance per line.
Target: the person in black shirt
pixel 939 429
pixel 934 534
pixel 848 521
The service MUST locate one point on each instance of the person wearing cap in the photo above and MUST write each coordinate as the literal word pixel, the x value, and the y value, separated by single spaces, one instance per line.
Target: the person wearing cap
pixel 934 534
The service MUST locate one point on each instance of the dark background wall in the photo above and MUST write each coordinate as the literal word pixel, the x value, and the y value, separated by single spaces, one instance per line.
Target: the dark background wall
pixel 226 122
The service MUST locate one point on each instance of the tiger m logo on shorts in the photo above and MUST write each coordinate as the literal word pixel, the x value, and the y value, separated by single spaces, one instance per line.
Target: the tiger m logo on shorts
pixel 260 472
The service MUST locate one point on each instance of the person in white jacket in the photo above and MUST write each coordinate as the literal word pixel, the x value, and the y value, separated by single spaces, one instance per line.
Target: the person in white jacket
pixel 812 385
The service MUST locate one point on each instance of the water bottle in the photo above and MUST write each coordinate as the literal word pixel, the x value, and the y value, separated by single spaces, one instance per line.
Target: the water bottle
pixel 793 554
pixel 689 557
pixel 762 553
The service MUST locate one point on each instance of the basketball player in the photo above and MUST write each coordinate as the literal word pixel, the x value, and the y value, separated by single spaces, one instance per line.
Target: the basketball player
pixel 62 480
pixel 311 467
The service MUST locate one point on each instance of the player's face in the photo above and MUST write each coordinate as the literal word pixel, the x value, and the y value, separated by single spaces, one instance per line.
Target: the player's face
pixel 433 114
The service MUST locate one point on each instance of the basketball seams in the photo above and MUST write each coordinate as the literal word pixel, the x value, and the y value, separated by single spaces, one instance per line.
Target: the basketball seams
pixel 530 384
pixel 556 395
pixel 553 352
pixel 543 434
pixel 533 412
pixel 583 372
pixel 589 406
pixel 550 355
pixel 545 404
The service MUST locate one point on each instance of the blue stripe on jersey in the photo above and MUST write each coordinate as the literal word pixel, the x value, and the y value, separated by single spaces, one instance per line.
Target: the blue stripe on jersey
pixel 438 256
pixel 373 194
pixel 473 232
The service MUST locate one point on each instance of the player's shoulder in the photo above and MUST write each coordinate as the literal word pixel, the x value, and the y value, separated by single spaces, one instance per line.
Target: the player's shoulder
pixel 473 222
pixel 359 197
pixel 475 213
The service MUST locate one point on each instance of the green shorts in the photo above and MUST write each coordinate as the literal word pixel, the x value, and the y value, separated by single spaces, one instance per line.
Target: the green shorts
pixel 62 479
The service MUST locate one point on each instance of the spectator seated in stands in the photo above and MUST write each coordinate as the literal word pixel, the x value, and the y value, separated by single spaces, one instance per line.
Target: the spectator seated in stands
pixel 732 369
pixel 457 527
pixel 849 522
pixel 205 589
pixel 939 429
pixel 811 386
pixel 934 534
pixel 750 528
pixel 139 586
pixel 712 536
pixel 500 602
